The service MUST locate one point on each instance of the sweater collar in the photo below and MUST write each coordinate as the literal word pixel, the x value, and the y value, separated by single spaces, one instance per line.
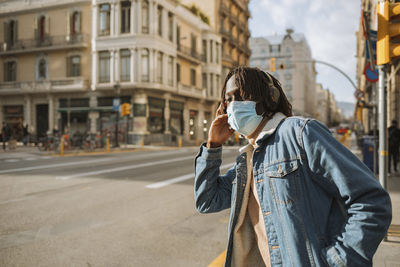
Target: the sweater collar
pixel 268 130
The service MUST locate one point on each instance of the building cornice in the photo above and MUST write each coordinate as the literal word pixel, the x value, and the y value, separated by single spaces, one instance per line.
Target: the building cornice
pixel 17 7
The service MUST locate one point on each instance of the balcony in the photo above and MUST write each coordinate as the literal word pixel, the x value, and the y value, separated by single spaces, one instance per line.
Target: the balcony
pixel 46 43
pixel 227 57
pixel 66 84
pixel 191 91
pixel 190 54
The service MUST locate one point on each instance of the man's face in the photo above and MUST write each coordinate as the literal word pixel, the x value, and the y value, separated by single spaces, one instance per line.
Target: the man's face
pixel 232 92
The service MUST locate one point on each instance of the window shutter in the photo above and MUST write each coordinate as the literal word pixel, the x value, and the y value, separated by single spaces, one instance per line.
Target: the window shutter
pixel 79 23
pixel 35 28
pixel 6 32
pixel 69 30
pixel 47 25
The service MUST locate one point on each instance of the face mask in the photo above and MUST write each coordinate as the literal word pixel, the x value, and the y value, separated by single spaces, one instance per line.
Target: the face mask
pixel 242 117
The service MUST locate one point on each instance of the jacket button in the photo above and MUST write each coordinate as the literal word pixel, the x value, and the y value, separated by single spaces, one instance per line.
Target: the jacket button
pixel 280 169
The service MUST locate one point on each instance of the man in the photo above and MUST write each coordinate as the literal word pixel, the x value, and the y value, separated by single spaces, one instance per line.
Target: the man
pixel 4 135
pixel 394 143
pixel 297 196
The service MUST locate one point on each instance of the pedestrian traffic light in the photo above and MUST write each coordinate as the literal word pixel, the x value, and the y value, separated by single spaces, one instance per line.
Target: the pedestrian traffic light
pixel 272 64
pixel 388 27
pixel 125 109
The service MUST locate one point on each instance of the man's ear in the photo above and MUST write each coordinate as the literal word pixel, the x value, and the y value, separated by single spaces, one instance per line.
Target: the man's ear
pixel 260 108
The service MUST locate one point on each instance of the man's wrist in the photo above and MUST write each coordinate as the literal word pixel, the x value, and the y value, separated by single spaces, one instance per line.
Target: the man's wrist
pixel 211 144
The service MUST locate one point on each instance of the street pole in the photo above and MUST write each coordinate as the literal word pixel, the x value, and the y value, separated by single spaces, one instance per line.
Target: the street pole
pixel 117 88
pixel 383 146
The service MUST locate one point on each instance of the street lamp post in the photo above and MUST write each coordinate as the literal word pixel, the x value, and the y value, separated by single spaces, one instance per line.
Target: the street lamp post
pixel 117 93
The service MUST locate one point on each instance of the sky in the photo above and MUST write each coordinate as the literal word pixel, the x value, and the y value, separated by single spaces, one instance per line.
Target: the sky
pixel 329 27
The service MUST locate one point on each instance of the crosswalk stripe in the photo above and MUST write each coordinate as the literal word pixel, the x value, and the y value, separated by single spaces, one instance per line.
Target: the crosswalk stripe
pixel 180 178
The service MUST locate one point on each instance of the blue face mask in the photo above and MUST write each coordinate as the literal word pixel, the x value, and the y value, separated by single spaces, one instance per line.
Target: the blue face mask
pixel 242 117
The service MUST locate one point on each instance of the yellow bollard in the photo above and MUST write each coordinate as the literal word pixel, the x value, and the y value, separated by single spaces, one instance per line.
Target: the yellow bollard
pixel 62 146
pixel 108 144
pixel 142 144
pixel 180 141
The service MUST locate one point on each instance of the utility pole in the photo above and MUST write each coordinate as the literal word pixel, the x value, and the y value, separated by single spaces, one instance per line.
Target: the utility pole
pixel 117 92
pixel 383 146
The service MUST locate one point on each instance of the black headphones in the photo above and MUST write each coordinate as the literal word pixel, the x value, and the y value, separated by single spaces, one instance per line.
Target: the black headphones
pixel 274 92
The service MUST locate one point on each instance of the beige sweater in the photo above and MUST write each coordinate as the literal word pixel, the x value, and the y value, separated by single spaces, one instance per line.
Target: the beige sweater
pixel 250 241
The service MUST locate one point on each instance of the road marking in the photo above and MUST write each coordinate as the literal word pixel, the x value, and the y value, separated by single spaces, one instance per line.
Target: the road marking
pixel 31 159
pixel 11 160
pixel 147 164
pixel 180 178
pixel 218 261
pixel 53 166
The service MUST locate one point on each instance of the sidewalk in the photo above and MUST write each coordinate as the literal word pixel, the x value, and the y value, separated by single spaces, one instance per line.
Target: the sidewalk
pixel 388 253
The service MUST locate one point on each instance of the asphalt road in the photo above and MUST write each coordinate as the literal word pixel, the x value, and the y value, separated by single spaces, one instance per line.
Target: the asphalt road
pixel 116 209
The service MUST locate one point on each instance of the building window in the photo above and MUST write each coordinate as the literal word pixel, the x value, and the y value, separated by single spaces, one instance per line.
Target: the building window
pixel 145 65
pixel 170 71
pixel 204 80
pixel 211 51
pixel 193 114
pixel 212 84
pixel 193 77
pixel 125 57
pixel 41 69
pixel 125 16
pixel 75 23
pixel 10 71
pixel 156 115
pixel 178 72
pixel 205 50
pixel 170 27
pixel 74 66
pixel 159 67
pixel 176 117
pixel 218 82
pixel 104 65
pixel 104 19
pixel 145 16
pixel 41 34
pixel 217 54
pixel 193 44
pixel 160 21
pixel 10 32
pixel 178 37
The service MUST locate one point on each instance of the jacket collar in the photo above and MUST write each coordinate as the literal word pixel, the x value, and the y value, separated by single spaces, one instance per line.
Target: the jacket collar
pixel 270 127
pixel 268 130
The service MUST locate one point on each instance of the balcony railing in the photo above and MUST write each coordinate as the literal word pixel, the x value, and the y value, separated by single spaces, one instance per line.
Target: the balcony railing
pixel 191 91
pixel 188 51
pixel 46 42
pixel 31 86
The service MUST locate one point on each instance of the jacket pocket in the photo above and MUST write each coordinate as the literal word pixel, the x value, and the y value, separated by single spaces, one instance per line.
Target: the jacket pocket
pixel 283 179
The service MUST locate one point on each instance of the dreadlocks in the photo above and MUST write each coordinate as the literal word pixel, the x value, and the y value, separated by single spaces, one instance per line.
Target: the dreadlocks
pixel 256 85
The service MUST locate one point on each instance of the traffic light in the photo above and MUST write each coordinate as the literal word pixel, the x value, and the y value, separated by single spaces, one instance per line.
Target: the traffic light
pixel 272 64
pixel 388 27
pixel 125 109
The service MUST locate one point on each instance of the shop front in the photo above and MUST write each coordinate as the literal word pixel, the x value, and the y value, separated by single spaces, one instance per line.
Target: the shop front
pixel 14 118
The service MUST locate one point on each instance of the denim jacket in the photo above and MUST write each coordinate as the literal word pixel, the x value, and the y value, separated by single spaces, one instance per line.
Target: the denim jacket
pixel 322 206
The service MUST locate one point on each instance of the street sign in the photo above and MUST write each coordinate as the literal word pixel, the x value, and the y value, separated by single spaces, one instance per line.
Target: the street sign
pixel 371 75
pixel 116 103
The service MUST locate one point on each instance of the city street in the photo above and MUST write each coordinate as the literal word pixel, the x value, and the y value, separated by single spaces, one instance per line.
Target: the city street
pixel 116 209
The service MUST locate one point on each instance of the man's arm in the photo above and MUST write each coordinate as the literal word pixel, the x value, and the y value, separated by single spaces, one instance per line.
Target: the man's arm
pixel 367 204
pixel 212 191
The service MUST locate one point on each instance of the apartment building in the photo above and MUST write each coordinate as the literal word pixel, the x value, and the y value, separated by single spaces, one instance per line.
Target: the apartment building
pixel 230 19
pixel 159 57
pixel 293 67
pixel 45 62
